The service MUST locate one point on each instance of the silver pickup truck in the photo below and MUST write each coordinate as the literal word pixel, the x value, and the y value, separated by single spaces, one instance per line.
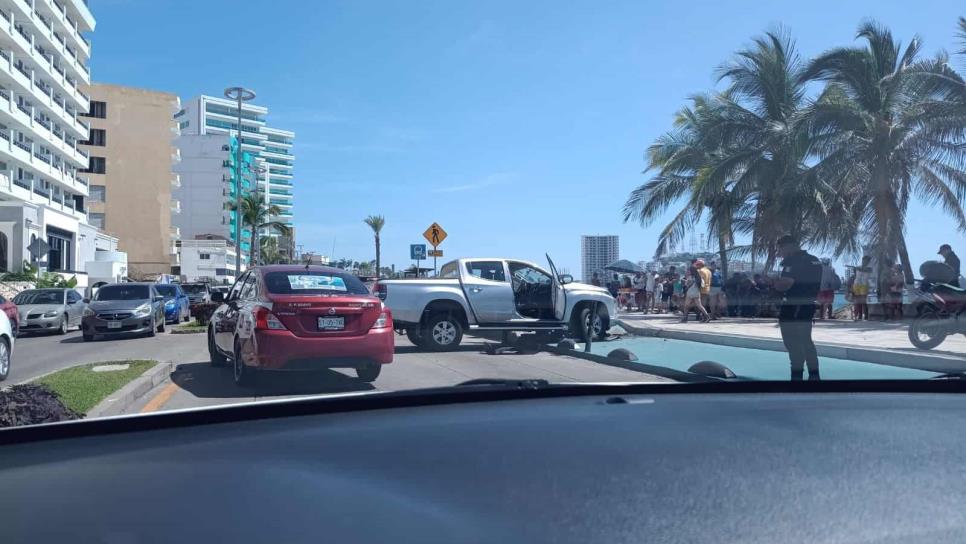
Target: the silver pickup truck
pixel 493 295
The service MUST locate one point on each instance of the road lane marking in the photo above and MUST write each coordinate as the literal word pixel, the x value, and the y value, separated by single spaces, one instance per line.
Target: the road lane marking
pixel 160 399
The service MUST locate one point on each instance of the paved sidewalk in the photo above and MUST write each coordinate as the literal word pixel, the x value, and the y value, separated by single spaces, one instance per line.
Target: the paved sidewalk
pixel 874 341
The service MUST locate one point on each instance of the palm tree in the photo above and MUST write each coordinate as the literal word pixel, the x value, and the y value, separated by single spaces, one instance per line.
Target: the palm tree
pixel 888 123
pixel 268 251
pixel 742 157
pixel 257 215
pixel 376 222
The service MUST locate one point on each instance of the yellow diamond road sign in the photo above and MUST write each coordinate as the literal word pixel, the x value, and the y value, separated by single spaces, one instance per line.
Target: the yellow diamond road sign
pixel 435 234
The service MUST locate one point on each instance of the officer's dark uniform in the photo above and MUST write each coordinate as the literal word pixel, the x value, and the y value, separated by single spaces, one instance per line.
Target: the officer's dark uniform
pixel 798 309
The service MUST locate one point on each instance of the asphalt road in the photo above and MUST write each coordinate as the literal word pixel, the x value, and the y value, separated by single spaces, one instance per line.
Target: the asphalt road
pixel 35 355
pixel 195 383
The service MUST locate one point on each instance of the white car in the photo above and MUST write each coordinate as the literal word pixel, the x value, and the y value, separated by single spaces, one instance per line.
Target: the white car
pixel 488 294
pixel 6 346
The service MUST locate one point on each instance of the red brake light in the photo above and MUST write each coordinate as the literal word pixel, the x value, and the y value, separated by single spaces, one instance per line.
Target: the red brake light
pixel 384 319
pixel 266 321
pixel 382 290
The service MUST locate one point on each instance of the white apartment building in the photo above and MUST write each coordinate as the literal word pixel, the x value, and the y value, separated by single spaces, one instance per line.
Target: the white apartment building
pixel 596 252
pixel 270 147
pixel 211 260
pixel 43 60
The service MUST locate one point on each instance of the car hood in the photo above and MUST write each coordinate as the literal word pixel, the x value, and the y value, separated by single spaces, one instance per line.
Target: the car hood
pixel 585 287
pixel 106 305
pixel 25 309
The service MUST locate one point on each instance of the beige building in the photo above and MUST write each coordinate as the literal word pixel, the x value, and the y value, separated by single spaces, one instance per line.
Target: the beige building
pixel 132 152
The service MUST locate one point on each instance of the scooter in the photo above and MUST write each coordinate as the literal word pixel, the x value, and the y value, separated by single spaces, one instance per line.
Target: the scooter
pixel 940 308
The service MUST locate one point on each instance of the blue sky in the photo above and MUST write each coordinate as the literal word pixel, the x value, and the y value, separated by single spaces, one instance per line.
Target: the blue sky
pixel 518 126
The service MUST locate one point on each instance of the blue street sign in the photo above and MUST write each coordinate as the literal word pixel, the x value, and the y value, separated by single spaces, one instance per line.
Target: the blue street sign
pixel 417 252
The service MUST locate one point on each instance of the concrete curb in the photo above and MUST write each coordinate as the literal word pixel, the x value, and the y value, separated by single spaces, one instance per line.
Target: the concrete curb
pixel 643 368
pixel 182 331
pixel 119 401
pixel 918 361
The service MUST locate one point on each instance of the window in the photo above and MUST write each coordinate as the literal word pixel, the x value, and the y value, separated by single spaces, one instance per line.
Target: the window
pixel 98 193
pixel 183 124
pixel 204 256
pixel 487 270
pixel 236 289
pixel 98 137
pixel 98 109
pixel 312 282
pixel 73 297
pixel 60 255
pixel 250 289
pixel 450 270
pixel 96 219
pixel 528 274
pixel 96 165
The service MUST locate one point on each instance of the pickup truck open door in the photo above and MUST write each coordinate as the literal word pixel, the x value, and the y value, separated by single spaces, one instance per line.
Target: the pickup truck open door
pixel 488 291
pixel 558 292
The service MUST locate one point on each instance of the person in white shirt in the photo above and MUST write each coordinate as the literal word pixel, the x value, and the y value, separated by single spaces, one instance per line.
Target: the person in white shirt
pixel 638 284
pixel 649 298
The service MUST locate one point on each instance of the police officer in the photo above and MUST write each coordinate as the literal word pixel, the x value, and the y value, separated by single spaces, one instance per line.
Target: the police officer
pixel 800 280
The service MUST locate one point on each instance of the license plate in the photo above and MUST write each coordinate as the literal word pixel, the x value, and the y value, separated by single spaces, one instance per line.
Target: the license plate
pixel 331 323
pixel 114 324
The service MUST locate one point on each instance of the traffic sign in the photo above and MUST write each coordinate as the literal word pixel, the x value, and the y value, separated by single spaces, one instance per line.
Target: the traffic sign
pixel 435 234
pixel 435 253
pixel 417 252
pixel 38 248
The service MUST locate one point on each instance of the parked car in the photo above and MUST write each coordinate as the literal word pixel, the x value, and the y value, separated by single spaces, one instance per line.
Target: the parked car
pixel 495 295
pixel 175 302
pixel 300 317
pixel 9 308
pixel 124 308
pixel 6 346
pixel 49 310
pixel 198 292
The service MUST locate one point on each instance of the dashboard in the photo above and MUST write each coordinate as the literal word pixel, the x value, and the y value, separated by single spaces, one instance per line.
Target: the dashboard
pixel 633 467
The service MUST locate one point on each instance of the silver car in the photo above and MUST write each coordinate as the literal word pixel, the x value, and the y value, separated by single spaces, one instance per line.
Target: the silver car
pixel 49 310
pixel 124 308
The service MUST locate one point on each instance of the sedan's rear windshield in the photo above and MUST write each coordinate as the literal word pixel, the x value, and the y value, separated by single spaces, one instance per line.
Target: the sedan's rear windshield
pixel 313 283
pixel 123 292
pixel 168 291
pixel 40 296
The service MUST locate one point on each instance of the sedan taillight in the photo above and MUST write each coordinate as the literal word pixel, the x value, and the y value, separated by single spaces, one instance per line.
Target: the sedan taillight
pixel 383 321
pixel 266 321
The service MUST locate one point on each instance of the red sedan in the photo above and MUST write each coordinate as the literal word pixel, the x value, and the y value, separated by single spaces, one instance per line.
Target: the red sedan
pixel 288 317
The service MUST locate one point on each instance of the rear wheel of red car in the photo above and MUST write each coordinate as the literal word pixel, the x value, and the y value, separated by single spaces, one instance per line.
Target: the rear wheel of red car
pixel 244 376
pixel 215 356
pixel 368 373
pixel 443 332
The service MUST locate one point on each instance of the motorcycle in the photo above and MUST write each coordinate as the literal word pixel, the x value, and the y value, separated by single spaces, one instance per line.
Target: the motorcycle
pixel 940 307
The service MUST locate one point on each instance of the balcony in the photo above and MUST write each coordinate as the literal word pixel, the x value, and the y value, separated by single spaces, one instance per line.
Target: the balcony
pixel 175 233
pixel 175 181
pixel 175 206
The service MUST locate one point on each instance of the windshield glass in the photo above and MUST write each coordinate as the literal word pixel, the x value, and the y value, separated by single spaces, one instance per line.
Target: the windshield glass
pixel 40 296
pixel 167 291
pixel 194 288
pixel 123 292
pixel 384 196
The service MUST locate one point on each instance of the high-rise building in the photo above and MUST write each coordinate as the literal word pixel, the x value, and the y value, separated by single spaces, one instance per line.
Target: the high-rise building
pixel 132 141
pixel 43 63
pixel 271 149
pixel 208 181
pixel 596 252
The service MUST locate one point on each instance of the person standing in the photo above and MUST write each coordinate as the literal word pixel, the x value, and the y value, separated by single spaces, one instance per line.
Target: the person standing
pixel 650 284
pixel 704 275
pixel 639 284
pixel 861 285
pixel 800 279
pixel 952 260
pixel 894 290
pixel 595 280
pixel 826 293
pixel 716 306
pixel 693 295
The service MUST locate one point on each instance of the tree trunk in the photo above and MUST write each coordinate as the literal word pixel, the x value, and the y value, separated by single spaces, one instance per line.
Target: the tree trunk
pixel 904 260
pixel 252 257
pixel 723 255
pixel 378 270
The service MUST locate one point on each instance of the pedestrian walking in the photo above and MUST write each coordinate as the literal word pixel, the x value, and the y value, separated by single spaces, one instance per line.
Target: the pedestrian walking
pixel 704 274
pixel 677 297
pixel 667 293
pixel 799 283
pixel 952 260
pixel 861 285
pixel 639 284
pixel 693 295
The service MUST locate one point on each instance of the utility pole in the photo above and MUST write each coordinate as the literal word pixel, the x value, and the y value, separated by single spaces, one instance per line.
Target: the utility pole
pixel 240 94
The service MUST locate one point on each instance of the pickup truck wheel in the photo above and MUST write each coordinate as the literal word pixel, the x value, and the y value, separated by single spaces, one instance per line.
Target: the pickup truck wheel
pixel 442 332
pixel 579 324
pixel 415 337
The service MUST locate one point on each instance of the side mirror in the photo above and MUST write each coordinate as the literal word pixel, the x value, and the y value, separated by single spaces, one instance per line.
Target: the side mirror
pixel 565 279
pixel 87 301
pixel 218 297
pixel 159 298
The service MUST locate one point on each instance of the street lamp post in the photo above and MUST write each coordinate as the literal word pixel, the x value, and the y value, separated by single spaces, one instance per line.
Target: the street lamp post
pixel 240 94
